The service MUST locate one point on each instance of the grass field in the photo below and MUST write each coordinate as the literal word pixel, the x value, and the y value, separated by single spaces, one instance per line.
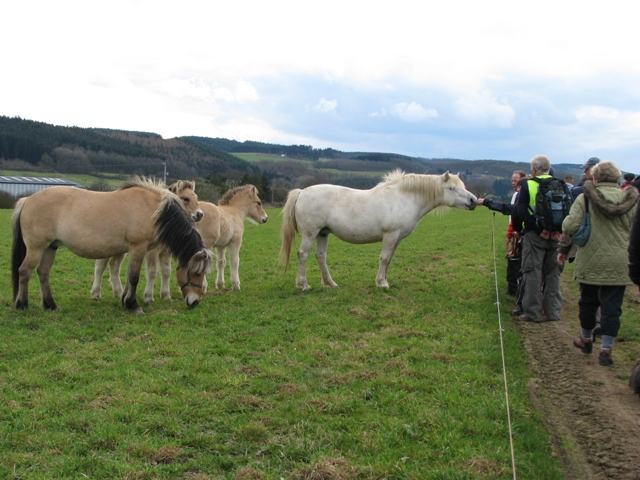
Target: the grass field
pixel 271 382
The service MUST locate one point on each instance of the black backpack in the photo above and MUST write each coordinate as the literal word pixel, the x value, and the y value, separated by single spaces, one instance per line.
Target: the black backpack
pixel 553 202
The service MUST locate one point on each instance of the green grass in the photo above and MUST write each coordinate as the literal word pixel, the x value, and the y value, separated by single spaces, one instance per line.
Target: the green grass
pixel 271 382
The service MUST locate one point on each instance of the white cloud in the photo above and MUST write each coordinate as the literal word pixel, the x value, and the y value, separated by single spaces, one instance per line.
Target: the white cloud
pixel 205 90
pixel 413 112
pixel 325 105
pixel 484 109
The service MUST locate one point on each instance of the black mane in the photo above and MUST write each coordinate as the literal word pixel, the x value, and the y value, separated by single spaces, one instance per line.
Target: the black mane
pixel 176 231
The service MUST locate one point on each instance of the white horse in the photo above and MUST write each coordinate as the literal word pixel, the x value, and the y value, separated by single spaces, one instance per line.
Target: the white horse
pixel 221 227
pixel 387 213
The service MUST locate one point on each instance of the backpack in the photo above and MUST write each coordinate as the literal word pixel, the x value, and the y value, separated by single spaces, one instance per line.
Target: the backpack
pixel 553 202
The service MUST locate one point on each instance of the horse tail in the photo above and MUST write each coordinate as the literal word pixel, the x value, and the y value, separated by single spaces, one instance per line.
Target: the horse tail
pixel 19 248
pixel 289 227
pixel 175 231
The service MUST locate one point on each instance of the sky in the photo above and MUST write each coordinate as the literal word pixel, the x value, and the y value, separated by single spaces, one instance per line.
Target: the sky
pixel 461 79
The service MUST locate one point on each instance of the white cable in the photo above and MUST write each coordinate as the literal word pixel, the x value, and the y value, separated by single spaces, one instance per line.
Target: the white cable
pixel 500 329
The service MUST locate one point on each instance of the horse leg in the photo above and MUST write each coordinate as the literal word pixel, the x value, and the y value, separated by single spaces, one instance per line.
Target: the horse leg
pixel 389 245
pixel 44 271
pixel 129 301
pixel 322 242
pixel 220 264
pixel 165 274
pixel 98 272
pixel 28 265
pixel 115 263
pixel 303 254
pixel 234 263
pixel 152 273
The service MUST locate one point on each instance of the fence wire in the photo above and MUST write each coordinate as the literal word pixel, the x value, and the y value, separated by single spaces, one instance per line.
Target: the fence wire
pixel 500 330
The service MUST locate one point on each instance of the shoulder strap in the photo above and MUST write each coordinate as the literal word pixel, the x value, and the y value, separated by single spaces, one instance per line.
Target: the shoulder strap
pixel 586 204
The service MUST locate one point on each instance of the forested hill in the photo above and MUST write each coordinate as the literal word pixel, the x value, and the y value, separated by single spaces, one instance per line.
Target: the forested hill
pixel 27 144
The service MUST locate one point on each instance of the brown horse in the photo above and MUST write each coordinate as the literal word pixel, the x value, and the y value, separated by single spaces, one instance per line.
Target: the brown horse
pixel 132 220
pixel 221 227
pixel 186 192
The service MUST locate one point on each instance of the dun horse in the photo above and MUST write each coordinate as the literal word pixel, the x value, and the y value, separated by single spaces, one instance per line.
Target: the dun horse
pixel 221 227
pixel 133 219
pixel 186 192
pixel 387 213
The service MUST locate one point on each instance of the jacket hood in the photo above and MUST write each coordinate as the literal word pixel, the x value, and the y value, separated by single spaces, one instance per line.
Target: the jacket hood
pixel 610 199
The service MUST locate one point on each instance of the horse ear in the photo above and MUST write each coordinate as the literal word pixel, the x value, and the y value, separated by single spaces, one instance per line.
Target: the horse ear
pixel 446 176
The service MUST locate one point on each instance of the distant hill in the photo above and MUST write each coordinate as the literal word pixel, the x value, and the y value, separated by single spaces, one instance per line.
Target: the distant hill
pixel 26 144
pixel 29 145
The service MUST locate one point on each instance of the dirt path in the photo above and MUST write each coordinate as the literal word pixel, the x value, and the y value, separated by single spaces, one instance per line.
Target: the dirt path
pixel 591 412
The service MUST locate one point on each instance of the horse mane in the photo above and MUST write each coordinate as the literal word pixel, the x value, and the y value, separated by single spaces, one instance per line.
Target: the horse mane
pixel 175 230
pixel 143 182
pixel 227 197
pixel 429 186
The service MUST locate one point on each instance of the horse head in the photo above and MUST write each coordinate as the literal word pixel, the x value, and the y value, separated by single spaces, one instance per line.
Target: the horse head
pixel 192 275
pixel 245 198
pixel 186 192
pixel 256 213
pixel 455 193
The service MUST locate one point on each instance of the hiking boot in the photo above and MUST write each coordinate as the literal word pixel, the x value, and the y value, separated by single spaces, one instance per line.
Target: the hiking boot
pixel 605 357
pixel 583 344
pixel 517 312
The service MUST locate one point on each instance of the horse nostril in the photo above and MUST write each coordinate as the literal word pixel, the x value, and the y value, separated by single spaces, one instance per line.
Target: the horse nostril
pixel 195 303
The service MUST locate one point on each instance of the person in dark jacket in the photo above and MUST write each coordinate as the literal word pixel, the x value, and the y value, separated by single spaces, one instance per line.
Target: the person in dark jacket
pixel 539 253
pixel 514 243
pixel 634 249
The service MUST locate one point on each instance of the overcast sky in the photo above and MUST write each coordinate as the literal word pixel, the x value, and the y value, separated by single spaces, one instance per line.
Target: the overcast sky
pixel 464 79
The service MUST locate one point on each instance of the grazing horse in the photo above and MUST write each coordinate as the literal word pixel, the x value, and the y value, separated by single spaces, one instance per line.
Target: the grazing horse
pixel 387 213
pixel 186 192
pixel 132 220
pixel 221 227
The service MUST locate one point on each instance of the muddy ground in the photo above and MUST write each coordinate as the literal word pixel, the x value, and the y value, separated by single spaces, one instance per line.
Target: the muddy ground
pixel 590 410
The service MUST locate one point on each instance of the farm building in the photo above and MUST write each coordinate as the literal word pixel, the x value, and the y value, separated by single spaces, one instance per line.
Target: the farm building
pixel 24 186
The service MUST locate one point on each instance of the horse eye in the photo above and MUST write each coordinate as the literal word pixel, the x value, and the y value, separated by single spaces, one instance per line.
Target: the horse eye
pixel 185 200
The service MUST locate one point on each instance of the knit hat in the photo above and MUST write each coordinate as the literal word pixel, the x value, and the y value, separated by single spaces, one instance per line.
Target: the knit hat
pixel 606 172
pixel 590 163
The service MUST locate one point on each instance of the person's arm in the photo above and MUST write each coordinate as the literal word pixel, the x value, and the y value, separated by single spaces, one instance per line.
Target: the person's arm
pixel 504 208
pixel 572 222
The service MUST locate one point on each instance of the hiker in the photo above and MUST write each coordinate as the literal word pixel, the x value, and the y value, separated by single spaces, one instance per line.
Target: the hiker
pixel 539 251
pixel 514 243
pixel 601 264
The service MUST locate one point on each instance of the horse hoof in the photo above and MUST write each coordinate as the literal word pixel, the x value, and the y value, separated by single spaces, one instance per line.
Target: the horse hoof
pixel 139 311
